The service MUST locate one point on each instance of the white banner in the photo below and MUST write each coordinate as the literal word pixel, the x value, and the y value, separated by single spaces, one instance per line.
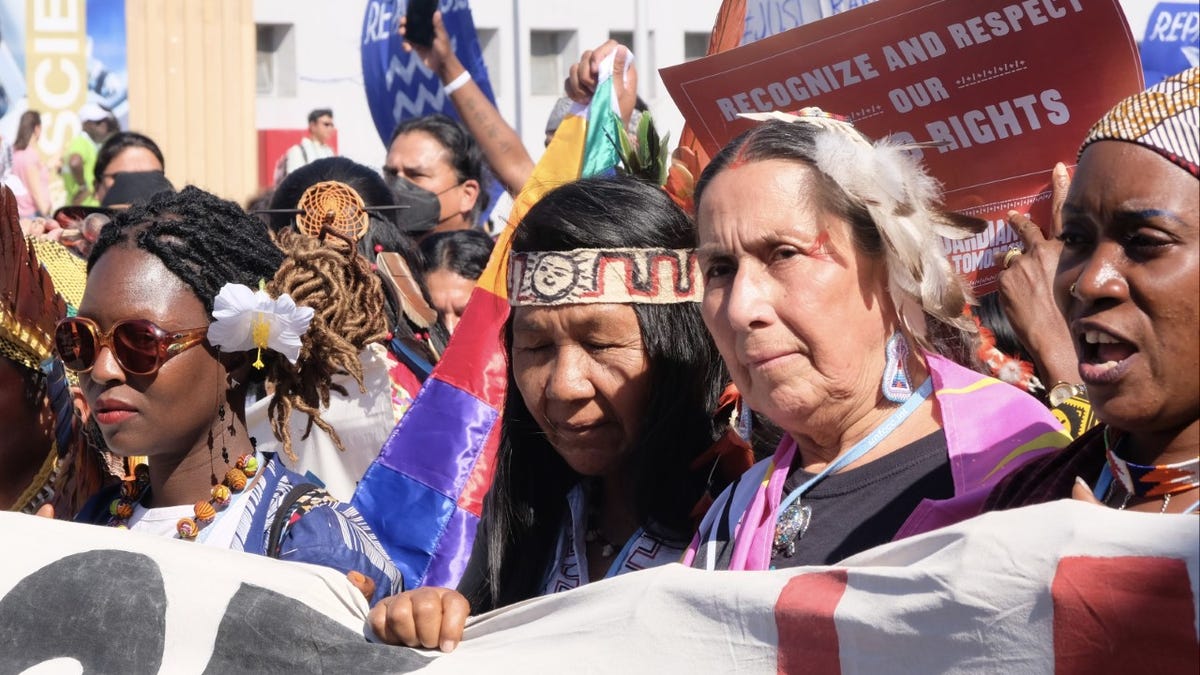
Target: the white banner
pixel 1065 587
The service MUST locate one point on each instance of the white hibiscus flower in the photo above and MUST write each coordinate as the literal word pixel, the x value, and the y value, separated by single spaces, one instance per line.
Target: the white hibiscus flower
pixel 245 319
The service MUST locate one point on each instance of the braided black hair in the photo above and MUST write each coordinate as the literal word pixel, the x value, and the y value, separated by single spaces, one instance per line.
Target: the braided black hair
pixel 204 240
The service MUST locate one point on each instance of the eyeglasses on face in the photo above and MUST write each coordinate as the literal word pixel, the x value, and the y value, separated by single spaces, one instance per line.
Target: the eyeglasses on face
pixel 139 346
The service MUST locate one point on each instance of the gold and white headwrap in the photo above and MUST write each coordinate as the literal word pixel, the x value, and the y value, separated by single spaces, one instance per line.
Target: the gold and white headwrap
pixel 1165 118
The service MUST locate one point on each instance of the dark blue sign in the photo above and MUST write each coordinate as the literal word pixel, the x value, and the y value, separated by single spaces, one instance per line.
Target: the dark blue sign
pixel 398 86
pixel 1171 41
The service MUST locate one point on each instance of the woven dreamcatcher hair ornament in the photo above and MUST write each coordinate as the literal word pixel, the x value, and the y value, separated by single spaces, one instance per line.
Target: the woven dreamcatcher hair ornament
pixel 335 206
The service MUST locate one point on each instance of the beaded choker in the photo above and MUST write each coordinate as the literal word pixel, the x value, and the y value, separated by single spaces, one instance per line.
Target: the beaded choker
pixel 1151 480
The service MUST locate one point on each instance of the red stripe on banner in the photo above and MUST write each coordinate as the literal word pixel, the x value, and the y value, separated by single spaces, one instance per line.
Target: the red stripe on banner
pixel 474 362
pixel 480 480
pixel 1124 615
pixel 808 637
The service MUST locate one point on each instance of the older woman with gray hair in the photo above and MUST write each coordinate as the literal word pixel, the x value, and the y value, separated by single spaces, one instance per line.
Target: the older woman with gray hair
pixel 830 299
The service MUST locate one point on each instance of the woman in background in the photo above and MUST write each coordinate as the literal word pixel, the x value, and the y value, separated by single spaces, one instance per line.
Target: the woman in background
pixel 453 262
pixel 30 169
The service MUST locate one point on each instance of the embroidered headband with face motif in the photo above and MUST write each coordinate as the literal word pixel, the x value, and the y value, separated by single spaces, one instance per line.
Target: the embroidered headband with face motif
pixel 656 276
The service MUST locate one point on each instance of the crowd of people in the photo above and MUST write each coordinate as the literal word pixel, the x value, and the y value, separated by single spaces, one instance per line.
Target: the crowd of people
pixel 790 374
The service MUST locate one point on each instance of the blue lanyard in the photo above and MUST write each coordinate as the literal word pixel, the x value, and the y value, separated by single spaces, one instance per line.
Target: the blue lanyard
pixel 1103 483
pixel 865 445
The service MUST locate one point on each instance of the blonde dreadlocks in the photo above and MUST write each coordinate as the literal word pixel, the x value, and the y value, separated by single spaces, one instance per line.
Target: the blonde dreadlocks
pixel 328 275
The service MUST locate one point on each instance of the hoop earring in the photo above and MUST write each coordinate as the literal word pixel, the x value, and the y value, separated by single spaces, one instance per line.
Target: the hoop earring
pixel 897 385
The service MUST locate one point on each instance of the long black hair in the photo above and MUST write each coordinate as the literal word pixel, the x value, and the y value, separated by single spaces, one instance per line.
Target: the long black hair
pixel 464 252
pixel 524 511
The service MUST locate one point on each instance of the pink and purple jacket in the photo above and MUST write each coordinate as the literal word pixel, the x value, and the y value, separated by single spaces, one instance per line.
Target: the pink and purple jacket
pixel 991 427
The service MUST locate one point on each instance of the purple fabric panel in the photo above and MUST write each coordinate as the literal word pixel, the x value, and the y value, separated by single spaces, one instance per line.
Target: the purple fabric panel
pixel 439 439
pixel 985 426
pixel 991 431
pixel 453 550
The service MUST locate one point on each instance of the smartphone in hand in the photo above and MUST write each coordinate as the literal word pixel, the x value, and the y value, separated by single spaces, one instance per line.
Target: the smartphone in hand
pixel 418 25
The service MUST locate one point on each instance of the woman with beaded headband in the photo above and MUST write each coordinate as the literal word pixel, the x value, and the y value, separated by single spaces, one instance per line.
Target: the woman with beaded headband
pixel 611 377
pixel 391 365
pixel 187 302
pixel 841 321
pixel 46 466
pixel 1126 284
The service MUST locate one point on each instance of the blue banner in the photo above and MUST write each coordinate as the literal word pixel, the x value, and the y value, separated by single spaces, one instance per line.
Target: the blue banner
pixel 765 18
pixel 56 56
pixel 398 85
pixel 1171 42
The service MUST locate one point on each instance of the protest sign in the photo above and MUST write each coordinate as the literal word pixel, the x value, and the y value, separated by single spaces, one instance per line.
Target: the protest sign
pixel 398 86
pixel 1005 89
pixel 54 57
pixel 1171 42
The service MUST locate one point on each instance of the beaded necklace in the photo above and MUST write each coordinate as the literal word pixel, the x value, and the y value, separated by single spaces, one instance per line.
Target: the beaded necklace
pixel 1141 480
pixel 137 488
pixel 206 511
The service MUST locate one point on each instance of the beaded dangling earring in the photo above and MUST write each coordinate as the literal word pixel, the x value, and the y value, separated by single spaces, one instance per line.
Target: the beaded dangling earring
pixel 221 421
pixel 897 385
pixel 211 445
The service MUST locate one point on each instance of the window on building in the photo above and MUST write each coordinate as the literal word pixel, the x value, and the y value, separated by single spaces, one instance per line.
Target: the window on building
pixel 275 60
pixel 550 54
pixel 695 45
pixel 489 44
pixel 624 37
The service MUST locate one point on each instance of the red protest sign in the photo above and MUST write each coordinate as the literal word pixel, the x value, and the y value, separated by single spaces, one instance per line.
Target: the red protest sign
pixel 1006 87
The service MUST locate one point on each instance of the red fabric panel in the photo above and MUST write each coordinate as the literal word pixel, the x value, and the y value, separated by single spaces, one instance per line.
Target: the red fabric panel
pixel 808 638
pixel 480 480
pixel 1124 615
pixel 475 361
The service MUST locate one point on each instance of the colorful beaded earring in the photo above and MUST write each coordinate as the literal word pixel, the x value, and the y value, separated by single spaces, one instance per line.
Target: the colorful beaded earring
pixel 897 385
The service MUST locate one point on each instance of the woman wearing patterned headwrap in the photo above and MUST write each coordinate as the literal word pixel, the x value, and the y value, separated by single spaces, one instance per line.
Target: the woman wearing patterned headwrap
pixel 1126 284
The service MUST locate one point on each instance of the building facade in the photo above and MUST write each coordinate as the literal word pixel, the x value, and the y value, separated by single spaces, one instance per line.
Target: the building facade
pixel 308 57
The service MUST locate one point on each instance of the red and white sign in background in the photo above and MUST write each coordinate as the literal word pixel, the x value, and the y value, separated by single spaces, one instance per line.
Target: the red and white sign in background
pixel 1005 87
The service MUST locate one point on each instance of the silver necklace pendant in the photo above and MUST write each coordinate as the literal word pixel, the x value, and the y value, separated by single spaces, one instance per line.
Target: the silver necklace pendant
pixel 790 528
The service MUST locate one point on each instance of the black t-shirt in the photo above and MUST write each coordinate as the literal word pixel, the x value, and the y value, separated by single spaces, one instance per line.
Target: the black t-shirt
pixel 859 509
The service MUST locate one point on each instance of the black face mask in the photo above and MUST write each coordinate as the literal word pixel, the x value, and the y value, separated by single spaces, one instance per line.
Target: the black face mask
pixel 423 210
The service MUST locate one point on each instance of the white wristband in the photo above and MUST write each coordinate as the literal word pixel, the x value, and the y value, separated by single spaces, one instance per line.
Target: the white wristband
pixel 458 82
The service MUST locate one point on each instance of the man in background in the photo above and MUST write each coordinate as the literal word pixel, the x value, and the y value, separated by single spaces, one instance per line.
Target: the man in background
pixel 79 161
pixel 313 147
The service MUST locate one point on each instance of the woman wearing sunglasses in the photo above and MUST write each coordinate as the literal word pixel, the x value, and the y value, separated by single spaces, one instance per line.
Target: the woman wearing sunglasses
pixel 183 310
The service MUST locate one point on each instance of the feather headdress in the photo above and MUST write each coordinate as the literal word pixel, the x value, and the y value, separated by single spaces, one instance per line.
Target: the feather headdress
pixel 904 202
pixel 29 307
